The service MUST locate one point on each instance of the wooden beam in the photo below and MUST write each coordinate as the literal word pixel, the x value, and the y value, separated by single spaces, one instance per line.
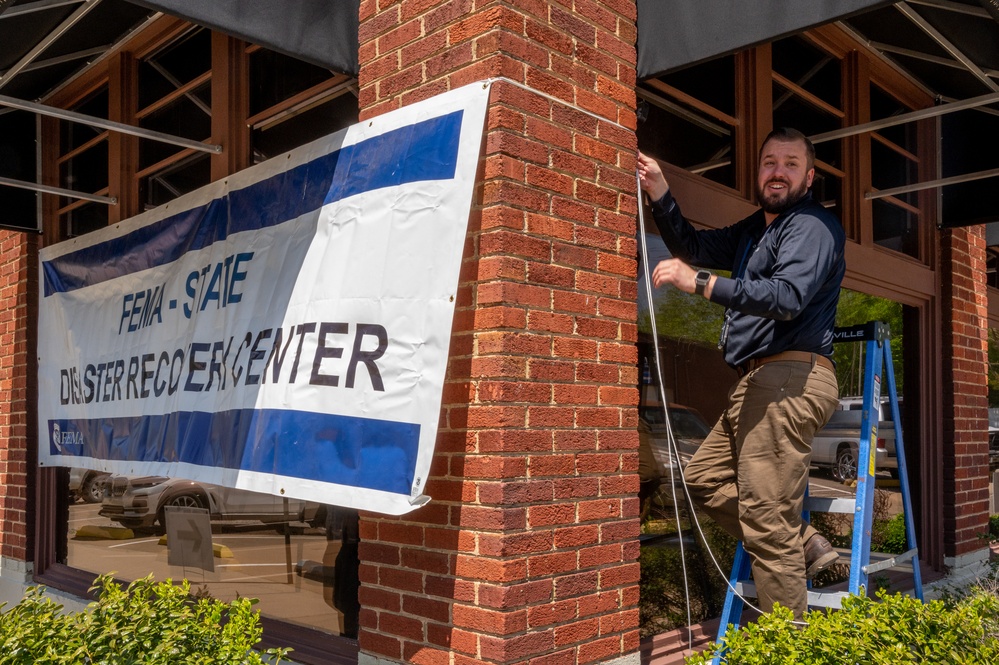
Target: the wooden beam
pixel 230 105
pixel 808 97
pixel 123 149
pixel 754 105
pixel 692 102
pixel 172 96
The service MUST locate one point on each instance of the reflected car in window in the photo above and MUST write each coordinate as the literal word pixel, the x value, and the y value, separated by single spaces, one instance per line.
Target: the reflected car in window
pixel 687 425
pixel 87 484
pixel 139 502
pixel 836 446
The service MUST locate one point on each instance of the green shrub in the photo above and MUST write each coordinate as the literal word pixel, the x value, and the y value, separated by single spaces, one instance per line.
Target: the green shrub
pixel 889 535
pixel 149 623
pixel 994 528
pixel 894 631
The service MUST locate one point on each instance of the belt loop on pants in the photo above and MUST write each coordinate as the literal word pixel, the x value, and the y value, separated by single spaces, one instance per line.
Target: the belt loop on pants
pixel 795 356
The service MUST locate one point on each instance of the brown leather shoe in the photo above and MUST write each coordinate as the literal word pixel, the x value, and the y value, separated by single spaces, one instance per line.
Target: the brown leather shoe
pixel 819 555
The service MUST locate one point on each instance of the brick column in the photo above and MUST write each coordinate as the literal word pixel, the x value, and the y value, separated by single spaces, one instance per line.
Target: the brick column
pixel 528 551
pixel 965 459
pixel 18 316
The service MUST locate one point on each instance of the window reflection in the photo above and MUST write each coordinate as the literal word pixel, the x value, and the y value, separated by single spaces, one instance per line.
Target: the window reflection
pixel 292 103
pixel 83 166
pixel 299 558
pixel 894 164
pixel 688 119
pixel 175 98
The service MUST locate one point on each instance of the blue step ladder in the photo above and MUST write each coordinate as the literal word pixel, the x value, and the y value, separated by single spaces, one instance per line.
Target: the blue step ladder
pixel 877 337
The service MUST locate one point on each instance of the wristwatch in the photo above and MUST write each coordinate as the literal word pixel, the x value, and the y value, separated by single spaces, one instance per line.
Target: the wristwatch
pixel 701 281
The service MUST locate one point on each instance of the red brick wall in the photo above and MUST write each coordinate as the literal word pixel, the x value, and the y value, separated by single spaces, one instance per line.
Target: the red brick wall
pixel 528 549
pixel 965 459
pixel 18 277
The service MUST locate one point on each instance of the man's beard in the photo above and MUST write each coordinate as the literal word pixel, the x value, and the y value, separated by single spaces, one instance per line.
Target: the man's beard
pixel 777 206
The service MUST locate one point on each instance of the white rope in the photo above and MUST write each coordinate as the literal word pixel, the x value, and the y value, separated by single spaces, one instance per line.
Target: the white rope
pixel 672 449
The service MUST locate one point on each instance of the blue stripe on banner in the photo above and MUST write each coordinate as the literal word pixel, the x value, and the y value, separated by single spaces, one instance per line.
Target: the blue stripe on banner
pixel 358 452
pixel 423 151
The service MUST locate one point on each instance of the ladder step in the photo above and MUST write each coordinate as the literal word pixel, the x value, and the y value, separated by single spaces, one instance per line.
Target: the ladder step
pixel 890 561
pixel 824 504
pixel 878 560
pixel 816 597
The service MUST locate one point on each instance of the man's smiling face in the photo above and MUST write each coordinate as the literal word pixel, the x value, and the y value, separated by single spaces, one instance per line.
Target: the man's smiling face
pixel 784 175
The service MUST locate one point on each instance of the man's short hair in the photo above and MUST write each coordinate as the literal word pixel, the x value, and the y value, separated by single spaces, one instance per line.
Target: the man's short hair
pixel 786 134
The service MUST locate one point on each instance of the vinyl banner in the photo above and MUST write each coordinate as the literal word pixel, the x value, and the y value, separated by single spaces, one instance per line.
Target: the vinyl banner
pixel 283 331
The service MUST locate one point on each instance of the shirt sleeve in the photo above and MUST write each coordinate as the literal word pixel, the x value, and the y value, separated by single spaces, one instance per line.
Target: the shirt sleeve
pixel 806 255
pixel 713 248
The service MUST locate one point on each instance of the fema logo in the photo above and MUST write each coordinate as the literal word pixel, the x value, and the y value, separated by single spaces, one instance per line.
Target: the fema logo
pixel 65 442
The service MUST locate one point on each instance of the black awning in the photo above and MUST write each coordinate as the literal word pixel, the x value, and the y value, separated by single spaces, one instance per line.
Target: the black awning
pixel 672 34
pixel 677 33
pixel 321 32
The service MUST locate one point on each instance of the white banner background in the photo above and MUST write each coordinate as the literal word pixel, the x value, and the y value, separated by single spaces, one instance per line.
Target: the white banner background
pixel 157 337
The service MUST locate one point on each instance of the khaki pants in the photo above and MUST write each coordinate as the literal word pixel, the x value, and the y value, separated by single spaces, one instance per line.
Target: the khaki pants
pixel 750 473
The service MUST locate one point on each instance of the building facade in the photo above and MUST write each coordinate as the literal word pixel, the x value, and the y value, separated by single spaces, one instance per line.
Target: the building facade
pixel 529 550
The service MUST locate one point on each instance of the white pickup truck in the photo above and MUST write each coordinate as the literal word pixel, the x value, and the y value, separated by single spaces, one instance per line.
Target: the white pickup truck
pixel 836 446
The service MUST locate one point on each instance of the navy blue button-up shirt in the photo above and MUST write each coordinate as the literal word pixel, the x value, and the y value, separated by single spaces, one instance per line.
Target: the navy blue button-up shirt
pixel 785 280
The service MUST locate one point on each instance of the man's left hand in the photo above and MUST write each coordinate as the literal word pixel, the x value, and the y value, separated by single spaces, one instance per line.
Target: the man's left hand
pixel 680 275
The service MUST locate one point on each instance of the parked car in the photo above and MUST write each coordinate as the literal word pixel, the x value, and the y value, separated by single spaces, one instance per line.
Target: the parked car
pixel 689 430
pixel 139 502
pixel 836 446
pixel 87 484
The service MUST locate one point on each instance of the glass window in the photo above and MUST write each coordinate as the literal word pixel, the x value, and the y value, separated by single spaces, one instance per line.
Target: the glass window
pixel 298 558
pixel 993 374
pixel 894 163
pixel 328 115
pixel 896 227
pixel 83 167
pixel 807 97
pixel 808 67
pixel 992 267
pixel 86 170
pixel 696 382
pixel 292 103
pixel 275 77
pixel 174 66
pixel 687 118
pixel 175 98
pixel 179 177
pixel 17 162
pixel 289 554
pixel 827 188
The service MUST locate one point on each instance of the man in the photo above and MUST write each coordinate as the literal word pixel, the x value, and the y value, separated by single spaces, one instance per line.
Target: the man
pixel 787 265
